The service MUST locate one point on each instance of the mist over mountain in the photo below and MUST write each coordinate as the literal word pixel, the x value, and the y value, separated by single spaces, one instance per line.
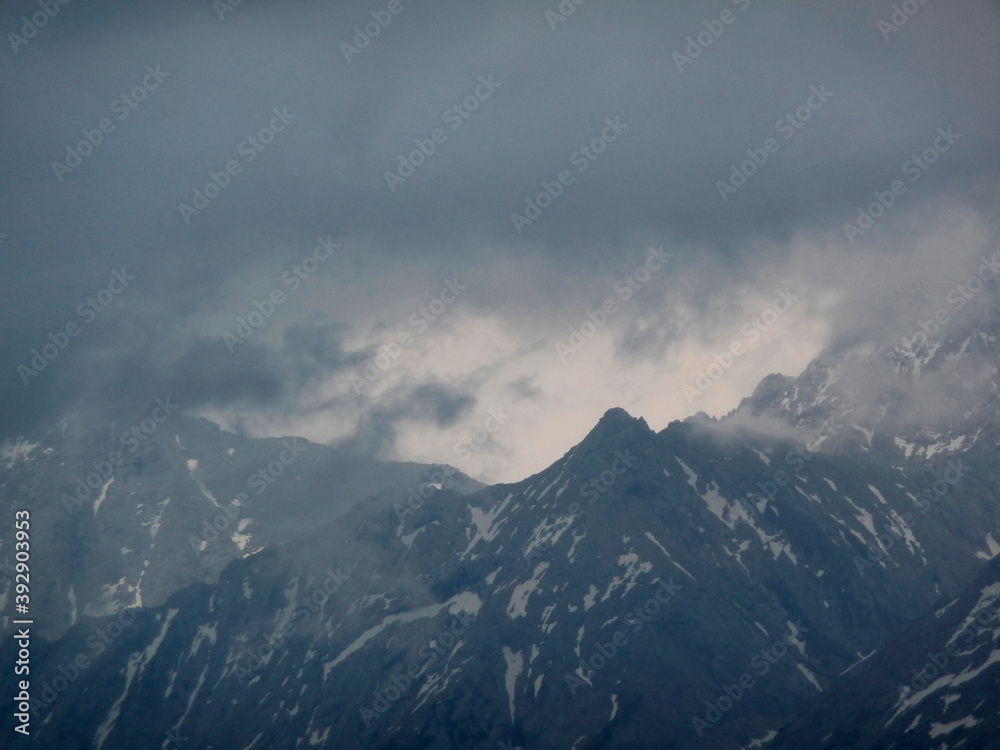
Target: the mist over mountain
pixel 566 375
pixel 701 586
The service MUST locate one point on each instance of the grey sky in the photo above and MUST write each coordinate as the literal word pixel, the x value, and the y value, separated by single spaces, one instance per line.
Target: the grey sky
pixel 348 122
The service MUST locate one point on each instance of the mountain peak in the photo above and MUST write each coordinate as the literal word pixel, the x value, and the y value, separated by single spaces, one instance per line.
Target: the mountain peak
pixel 617 424
pixel 618 415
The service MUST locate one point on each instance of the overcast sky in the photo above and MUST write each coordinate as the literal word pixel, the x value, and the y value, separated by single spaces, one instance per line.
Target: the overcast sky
pixel 507 96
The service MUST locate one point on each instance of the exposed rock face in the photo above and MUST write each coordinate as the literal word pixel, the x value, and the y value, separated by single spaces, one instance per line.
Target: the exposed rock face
pixel 698 587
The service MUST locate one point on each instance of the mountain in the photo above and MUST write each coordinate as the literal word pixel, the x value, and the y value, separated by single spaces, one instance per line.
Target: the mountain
pixel 697 587
pixel 936 684
pixel 911 407
pixel 127 514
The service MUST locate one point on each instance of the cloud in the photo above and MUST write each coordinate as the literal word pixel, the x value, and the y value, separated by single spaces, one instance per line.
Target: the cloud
pixel 348 123
pixel 429 404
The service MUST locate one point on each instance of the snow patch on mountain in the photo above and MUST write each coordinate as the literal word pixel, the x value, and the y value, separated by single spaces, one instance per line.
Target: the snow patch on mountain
pixel 663 549
pixel 192 465
pixel 633 569
pixel 987 597
pixel 515 665
pixel 545 534
pixel 518 606
pixel 483 521
pixel 810 676
pixel 136 666
pixel 992 549
pixel 467 602
pixel 17 450
pixel 938 729
pixel 104 494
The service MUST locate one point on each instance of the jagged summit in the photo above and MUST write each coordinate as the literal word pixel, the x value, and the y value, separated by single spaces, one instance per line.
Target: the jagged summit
pixel 617 415
pixel 698 560
pixel 619 426
pixel 898 406
pixel 628 587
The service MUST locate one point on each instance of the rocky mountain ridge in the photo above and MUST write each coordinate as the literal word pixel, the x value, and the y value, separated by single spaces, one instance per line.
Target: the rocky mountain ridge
pixel 694 587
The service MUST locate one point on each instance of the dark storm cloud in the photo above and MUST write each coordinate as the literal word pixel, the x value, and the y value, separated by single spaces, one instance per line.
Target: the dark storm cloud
pixel 124 373
pixel 337 126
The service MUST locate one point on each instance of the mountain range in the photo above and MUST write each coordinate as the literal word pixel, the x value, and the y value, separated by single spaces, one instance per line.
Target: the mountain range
pixel 815 569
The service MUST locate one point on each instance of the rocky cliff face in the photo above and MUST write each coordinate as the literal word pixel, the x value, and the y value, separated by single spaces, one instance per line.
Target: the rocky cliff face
pixel 125 515
pixel 934 684
pixel 697 587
